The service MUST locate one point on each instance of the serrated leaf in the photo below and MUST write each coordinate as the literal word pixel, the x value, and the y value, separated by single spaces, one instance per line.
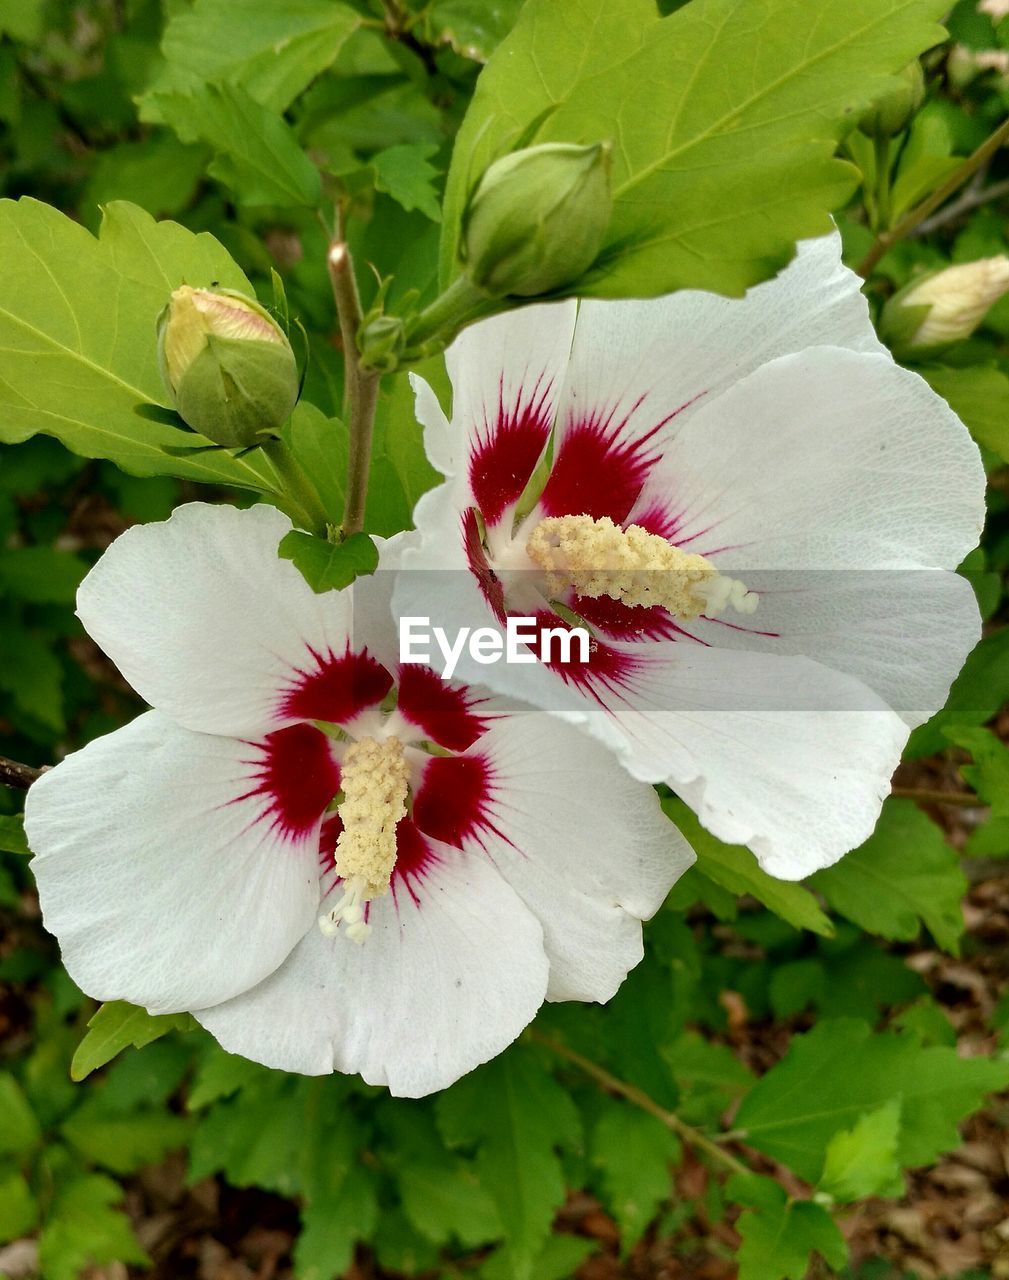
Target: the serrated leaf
pixel 257 154
pixel 446 1202
pixel 517 1115
pixel 12 834
pixel 329 566
pixel 779 1236
pixel 473 28
pixel 332 1225
pixel 115 1027
pixel 20 1130
pixel 319 446
pixel 724 119
pixel 634 1152
pixel 977 694
pixel 840 1070
pixel 903 876
pixel 980 397
pixel 82 1228
pixel 18 1209
pixel 124 1143
pixel 79 357
pixel 989 774
pixel 736 869
pixel 272 51
pixel 862 1161
pixel 404 172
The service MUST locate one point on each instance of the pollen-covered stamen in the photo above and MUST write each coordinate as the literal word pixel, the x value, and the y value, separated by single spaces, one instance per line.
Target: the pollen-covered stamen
pixel 599 558
pixel 374 779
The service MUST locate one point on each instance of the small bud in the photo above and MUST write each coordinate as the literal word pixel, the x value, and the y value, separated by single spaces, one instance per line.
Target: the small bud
pixel 381 342
pixel 227 365
pixel 537 218
pixel 944 306
pixel 891 113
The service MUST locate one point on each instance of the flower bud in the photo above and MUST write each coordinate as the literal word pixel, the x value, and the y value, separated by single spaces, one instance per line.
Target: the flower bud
pixel 537 218
pixel 381 342
pixel 227 365
pixel 891 113
pixel 944 306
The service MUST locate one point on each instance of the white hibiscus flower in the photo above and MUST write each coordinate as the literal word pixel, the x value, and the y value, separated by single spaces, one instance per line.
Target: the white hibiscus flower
pixel 479 861
pixel 776 508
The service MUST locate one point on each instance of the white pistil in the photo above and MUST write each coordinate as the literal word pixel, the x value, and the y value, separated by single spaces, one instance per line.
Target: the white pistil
pixel 374 778
pixel 599 558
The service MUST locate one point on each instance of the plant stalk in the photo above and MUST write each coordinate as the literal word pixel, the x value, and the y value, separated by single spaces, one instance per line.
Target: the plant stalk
pixel 17 775
pixel 303 500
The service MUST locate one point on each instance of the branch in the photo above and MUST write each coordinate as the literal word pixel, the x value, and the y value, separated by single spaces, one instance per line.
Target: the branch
pixel 971 199
pixel 361 386
pixel 691 1136
pixel 15 774
pixel 887 239
pixel 927 796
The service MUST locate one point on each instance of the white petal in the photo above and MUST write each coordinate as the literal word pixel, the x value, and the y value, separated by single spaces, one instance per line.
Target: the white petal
pixel 823 460
pixel 163 885
pixel 647 360
pixel 447 978
pixel 206 622
pixel 904 633
pixel 587 848
pixel 780 754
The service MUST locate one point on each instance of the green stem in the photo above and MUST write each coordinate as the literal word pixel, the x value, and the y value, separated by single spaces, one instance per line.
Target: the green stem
pixel 881 152
pixel 612 1084
pixel 361 387
pixel 449 313
pixel 298 492
pixel 886 239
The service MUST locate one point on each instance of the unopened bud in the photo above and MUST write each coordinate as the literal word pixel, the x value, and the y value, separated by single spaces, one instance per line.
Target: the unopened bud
pixel 945 306
pixel 227 365
pixel 891 113
pixel 381 342
pixel 537 218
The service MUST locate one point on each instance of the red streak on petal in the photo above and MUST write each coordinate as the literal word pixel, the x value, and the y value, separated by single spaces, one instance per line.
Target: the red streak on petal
pixel 506 450
pixel 413 855
pixel 451 801
pixel 336 688
pixel 446 713
pixel 622 621
pixel 487 580
pixel 296 776
pixel 607 669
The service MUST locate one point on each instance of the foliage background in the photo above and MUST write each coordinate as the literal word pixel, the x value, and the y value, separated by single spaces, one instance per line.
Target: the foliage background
pixel 837 1033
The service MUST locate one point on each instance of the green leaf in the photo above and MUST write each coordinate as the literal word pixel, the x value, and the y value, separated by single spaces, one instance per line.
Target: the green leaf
pixel 473 28
pixel 41 575
pixel 779 1234
pixel 724 123
pixel 124 1143
pixel 979 395
pixel 77 320
pixel 977 694
pixel 18 1210
pixel 559 1259
pixel 32 674
pixel 12 834
pixel 331 1226
pixel 115 1027
pixel 840 1070
pixel 736 869
pixel 20 1129
pixel 400 470
pixel 905 875
pixel 83 1229
pixel 862 1161
pixel 257 154
pixel 329 566
pixel 517 1115
pixel 447 1202
pixel 273 51
pixel 319 445
pixel 23 20
pixel 989 774
pixel 160 173
pixel 634 1152
pixel 404 173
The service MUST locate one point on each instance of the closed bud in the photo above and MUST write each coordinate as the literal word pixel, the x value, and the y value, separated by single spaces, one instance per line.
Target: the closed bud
pixel 944 306
pixel 381 342
pixel 891 113
pixel 227 365
pixel 537 218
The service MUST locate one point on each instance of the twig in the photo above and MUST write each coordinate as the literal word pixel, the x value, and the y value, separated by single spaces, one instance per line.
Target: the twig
pixel 971 199
pixel 691 1136
pixel 887 239
pixel 926 796
pixel 15 774
pixel 361 386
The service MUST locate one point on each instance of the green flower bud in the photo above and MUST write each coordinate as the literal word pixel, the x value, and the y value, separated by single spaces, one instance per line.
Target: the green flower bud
pixel 381 342
pixel 891 114
pixel 537 218
pixel 942 307
pixel 227 365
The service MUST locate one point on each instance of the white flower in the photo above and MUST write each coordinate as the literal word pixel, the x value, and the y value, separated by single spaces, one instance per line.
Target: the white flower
pixel 193 860
pixel 786 499
pixel 957 299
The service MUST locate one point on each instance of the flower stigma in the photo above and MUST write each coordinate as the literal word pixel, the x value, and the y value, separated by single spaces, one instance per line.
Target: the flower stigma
pixel 375 783
pixel 599 558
